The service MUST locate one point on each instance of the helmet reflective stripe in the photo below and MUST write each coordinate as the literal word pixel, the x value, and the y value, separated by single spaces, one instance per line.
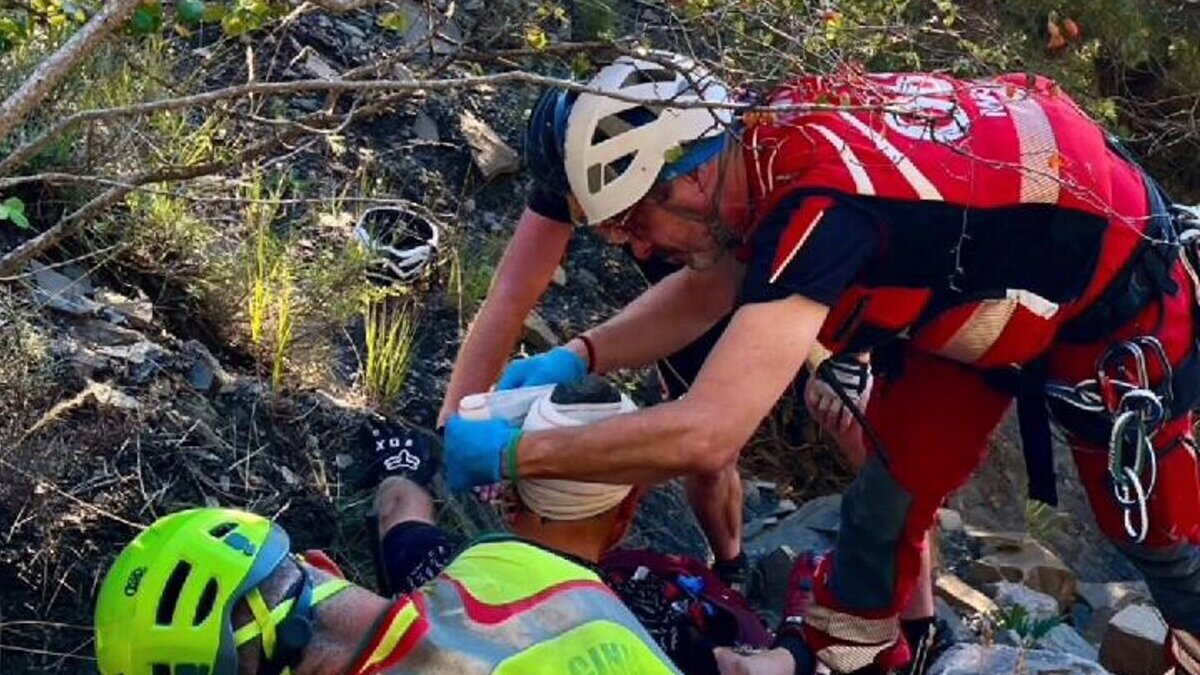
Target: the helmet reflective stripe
pixel 612 158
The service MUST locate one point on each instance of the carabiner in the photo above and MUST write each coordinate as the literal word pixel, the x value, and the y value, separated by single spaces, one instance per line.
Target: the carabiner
pixel 1139 534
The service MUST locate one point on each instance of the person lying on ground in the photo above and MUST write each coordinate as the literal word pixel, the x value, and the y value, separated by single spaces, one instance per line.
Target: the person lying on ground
pixel 580 521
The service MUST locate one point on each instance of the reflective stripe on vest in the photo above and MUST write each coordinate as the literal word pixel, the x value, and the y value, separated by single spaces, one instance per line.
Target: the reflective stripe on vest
pixel 510 607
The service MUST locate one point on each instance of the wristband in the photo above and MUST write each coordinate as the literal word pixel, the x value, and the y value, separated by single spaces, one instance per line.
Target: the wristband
pixel 510 455
pixel 591 352
pixel 802 654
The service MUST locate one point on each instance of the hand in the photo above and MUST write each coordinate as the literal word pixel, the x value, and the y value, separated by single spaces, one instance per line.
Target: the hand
pixel 559 365
pixel 825 406
pixel 475 451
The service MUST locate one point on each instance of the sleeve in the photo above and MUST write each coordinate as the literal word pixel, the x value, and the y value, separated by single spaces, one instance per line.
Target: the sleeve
pixel 809 245
pixel 549 204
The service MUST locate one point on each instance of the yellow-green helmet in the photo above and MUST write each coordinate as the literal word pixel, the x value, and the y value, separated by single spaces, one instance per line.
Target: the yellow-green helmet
pixel 166 604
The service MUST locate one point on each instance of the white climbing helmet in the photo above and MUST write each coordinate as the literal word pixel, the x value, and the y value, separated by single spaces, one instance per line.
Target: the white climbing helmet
pixel 615 150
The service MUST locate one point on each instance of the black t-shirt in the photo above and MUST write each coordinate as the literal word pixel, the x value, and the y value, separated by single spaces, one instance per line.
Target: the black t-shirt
pixel 809 245
pixel 549 204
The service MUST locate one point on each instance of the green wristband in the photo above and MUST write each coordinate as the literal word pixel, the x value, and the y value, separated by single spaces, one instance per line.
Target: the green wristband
pixel 511 454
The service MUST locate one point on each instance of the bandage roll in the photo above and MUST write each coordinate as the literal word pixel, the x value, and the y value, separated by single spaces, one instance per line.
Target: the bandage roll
pixel 567 499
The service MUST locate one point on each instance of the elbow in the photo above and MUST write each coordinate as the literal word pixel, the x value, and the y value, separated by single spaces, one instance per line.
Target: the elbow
pixel 710 449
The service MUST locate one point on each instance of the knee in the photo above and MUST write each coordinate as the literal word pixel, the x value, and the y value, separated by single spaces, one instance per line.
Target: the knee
pixel 400 500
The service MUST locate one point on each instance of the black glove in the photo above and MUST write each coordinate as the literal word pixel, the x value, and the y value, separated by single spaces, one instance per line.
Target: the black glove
pixel 392 449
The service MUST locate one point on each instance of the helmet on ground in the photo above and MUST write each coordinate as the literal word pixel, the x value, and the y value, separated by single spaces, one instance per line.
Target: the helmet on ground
pixel 166 604
pixel 401 242
pixel 615 150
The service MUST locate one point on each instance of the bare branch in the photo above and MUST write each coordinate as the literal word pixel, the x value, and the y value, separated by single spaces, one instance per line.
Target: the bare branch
pixel 68 224
pixel 51 72
pixel 25 152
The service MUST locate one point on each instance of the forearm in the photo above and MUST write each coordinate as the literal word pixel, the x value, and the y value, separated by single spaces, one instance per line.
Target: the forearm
pixel 521 277
pixel 669 316
pixel 645 447
pixel 748 370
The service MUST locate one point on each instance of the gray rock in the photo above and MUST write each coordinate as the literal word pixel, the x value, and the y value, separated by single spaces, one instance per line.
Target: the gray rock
pixel 1037 604
pixel 812 527
pixel 138 312
pixel 96 332
pixel 768 587
pixel 953 623
pixel 206 372
pixel 1031 564
pixel 539 334
pixel 665 523
pixel 491 154
pixel 61 292
pixel 425 128
pixel 1103 600
pixel 949 520
pixel 1065 639
pixel 1133 642
pixel 1004 660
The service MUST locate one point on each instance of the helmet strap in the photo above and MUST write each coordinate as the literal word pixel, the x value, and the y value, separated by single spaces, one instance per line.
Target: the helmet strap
pixel 287 628
pixel 725 235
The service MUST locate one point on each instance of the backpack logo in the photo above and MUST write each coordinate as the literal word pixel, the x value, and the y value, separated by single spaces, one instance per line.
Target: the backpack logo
pixel 134 581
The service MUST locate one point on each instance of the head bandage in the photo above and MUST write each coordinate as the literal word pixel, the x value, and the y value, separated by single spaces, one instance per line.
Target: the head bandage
pixel 567 499
pixel 553 498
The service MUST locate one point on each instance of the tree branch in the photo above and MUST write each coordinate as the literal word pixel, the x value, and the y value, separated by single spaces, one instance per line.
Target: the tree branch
pixel 12 261
pixel 51 72
pixel 25 152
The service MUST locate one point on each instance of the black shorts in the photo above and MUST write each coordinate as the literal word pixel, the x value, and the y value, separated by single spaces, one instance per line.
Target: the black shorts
pixel 413 552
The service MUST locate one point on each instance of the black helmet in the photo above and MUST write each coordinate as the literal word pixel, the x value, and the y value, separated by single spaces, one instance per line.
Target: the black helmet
pixel 544 139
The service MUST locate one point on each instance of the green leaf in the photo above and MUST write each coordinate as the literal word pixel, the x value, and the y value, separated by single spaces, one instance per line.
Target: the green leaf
pixel 395 21
pixel 147 19
pixel 190 12
pixel 19 220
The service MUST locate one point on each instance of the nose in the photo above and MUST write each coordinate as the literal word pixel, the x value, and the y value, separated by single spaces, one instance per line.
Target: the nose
pixel 640 248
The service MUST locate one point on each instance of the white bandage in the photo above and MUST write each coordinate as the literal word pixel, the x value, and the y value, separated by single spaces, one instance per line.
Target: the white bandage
pixel 568 499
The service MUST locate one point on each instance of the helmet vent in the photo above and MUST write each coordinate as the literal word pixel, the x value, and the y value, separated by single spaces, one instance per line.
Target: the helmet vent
pixel 207 599
pixel 646 75
pixel 170 595
pixel 221 530
pixel 160 669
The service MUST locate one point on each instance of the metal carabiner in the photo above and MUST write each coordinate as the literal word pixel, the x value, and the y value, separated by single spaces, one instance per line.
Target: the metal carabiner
pixel 1108 384
pixel 1118 442
pixel 1137 534
pixel 1157 350
pixel 1148 405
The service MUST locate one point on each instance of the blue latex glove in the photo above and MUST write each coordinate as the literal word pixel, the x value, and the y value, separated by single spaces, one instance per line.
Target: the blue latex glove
pixel 557 366
pixel 475 449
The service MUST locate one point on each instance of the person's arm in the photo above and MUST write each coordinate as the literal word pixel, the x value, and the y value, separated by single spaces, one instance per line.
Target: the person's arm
pixel 521 278
pixel 758 356
pixel 667 317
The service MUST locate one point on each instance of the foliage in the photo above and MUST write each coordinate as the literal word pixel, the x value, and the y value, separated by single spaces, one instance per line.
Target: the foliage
pixel 390 334
pixel 13 210
pixel 1028 627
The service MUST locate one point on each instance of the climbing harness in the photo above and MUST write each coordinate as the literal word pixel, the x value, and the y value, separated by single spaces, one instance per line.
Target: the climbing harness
pixel 1122 392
